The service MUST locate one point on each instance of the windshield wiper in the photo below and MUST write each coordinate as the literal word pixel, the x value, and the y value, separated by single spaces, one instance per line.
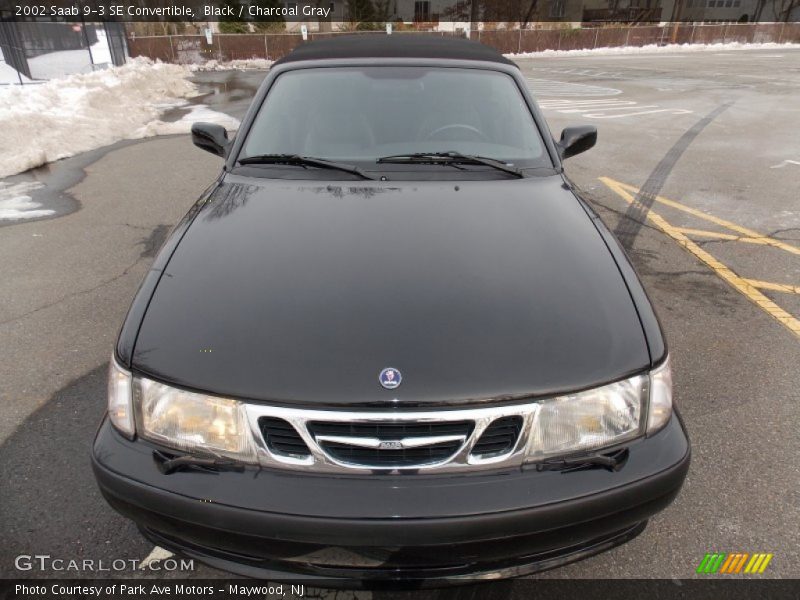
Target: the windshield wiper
pixel 450 157
pixel 296 159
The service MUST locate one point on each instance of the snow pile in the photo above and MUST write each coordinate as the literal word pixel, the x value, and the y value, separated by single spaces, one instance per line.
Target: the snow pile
pixel 655 49
pixel 196 113
pixel 15 203
pixel 261 64
pixel 61 118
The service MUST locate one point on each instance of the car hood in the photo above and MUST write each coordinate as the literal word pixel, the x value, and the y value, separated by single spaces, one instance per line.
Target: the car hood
pixel 301 293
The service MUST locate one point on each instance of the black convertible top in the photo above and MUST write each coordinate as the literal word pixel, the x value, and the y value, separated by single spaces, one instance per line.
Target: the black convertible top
pixel 397 45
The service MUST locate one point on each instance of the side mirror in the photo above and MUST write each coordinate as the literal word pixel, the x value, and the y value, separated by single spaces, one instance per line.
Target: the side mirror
pixel 211 138
pixel 575 140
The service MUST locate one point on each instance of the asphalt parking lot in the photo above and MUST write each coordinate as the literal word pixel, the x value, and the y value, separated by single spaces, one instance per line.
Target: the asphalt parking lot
pixel 696 169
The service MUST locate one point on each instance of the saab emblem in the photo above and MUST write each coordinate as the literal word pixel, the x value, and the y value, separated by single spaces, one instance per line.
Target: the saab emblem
pixel 390 378
pixel 391 445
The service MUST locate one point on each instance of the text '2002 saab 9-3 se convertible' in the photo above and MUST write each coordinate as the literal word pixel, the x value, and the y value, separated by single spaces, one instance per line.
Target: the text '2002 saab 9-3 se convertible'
pixel 391 341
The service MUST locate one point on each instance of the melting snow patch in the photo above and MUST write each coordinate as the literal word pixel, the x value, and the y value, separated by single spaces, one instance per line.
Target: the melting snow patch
pixel 238 65
pixel 16 204
pixel 45 122
pixel 656 49
pixel 196 113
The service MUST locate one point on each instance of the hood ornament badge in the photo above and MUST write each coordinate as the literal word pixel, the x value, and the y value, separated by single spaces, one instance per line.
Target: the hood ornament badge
pixel 390 378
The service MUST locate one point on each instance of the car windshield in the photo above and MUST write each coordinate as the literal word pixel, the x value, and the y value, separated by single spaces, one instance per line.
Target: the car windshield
pixel 359 115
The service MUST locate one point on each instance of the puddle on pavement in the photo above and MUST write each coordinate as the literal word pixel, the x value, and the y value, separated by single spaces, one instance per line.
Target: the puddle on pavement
pixel 40 193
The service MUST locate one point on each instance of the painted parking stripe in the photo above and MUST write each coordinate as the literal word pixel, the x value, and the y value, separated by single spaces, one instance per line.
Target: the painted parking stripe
pixel 552 88
pixel 574 106
pixel 583 72
pixel 591 101
pixel 747 235
pixel 774 287
pixel 157 554
pixel 740 284
pixel 652 110
pixel 785 163
pixel 607 108
pixel 720 236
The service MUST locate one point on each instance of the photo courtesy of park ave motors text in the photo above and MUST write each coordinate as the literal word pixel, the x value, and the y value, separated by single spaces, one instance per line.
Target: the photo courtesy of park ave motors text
pixel 400 298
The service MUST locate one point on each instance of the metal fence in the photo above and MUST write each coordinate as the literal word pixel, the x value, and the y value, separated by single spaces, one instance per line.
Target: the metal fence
pixel 37 51
pixel 192 49
pixel 196 49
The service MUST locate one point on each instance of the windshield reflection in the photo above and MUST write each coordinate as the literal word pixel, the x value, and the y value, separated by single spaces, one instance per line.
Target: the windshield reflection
pixel 360 114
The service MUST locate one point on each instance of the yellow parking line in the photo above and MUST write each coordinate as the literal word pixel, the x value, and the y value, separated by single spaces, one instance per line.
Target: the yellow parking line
pixel 774 287
pixel 748 233
pixel 740 284
pixel 724 236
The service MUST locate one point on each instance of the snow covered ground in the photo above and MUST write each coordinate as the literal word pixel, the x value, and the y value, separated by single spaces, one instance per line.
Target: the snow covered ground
pixel 63 117
pixel 16 204
pixel 239 65
pixel 656 49
pixel 62 63
pixel 58 64
pixel 9 75
pixel 196 113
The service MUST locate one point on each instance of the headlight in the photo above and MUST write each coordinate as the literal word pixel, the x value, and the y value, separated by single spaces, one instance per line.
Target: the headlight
pixel 602 417
pixel 194 422
pixel 120 405
pixel 589 420
pixel 660 397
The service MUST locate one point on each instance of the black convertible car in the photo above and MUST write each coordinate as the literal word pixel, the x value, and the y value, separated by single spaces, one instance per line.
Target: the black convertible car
pixel 391 341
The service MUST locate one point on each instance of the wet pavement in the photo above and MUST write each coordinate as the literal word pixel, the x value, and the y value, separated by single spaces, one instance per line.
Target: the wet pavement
pixel 44 190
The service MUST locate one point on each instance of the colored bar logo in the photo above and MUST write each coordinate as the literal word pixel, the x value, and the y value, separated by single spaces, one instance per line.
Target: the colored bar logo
pixel 736 562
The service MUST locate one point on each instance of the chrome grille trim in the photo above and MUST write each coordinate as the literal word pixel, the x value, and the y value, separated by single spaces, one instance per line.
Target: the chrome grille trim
pixel 409 442
pixel 321 462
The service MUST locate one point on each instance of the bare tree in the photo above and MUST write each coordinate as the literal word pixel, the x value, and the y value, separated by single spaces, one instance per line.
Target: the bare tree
pixel 513 11
pixel 782 9
pixel 520 12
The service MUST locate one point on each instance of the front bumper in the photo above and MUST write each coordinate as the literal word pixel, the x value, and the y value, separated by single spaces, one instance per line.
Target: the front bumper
pixel 415 529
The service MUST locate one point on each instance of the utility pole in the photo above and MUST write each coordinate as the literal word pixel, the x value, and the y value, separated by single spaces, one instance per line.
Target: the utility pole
pixel 86 38
pixel 677 9
pixel 474 13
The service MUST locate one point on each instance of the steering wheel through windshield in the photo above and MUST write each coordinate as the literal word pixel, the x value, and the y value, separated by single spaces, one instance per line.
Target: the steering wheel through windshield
pixel 473 133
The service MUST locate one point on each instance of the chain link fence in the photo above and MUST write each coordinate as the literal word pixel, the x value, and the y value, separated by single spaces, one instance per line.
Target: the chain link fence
pixel 197 49
pixel 34 52
pixel 224 47
pixel 37 51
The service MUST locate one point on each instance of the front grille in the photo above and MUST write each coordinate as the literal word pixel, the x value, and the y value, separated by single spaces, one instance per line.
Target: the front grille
pixel 455 440
pixel 404 457
pixel 355 454
pixel 282 437
pixel 390 431
pixel 499 438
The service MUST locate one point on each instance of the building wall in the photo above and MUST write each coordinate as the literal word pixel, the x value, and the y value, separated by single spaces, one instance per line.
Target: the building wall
pixel 718 10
